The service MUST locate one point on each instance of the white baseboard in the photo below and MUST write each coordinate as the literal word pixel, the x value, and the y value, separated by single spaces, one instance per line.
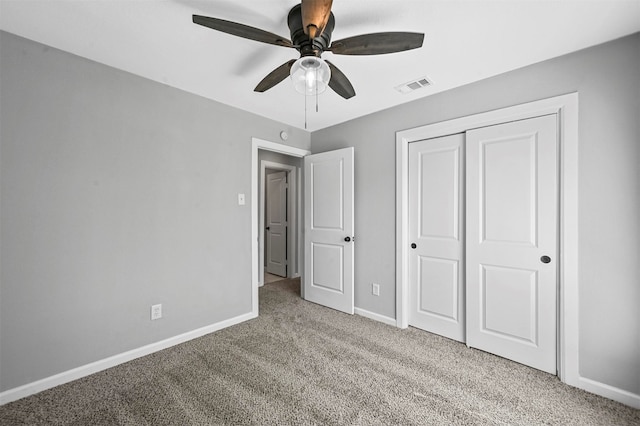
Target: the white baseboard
pixel 607 391
pixel 94 367
pixel 375 317
pixel 611 392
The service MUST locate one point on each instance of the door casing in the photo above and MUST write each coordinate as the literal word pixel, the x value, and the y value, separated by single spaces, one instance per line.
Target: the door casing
pixel 566 106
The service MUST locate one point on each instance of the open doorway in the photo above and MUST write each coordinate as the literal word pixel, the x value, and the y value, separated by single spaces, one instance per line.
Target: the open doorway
pixel 278 216
pixel 269 158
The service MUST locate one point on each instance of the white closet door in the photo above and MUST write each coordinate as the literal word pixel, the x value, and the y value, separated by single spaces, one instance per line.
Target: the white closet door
pixel 511 240
pixel 436 275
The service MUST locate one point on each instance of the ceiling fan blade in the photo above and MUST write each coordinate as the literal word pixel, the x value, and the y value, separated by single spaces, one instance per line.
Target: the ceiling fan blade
pixel 274 77
pixel 241 30
pixel 340 83
pixel 377 43
pixel 315 14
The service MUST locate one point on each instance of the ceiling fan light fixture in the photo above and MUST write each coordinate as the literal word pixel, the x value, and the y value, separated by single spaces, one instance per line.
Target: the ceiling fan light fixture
pixel 311 24
pixel 310 75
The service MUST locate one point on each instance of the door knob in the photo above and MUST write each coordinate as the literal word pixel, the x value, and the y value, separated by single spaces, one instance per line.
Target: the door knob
pixel 268 228
pixel 545 259
pixel 347 239
pixel 413 245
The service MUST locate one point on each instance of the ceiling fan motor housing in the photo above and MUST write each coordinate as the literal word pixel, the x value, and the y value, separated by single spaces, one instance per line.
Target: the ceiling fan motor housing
pixel 302 42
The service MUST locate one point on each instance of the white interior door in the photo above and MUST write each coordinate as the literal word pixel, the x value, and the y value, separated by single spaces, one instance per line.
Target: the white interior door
pixel 328 239
pixel 436 269
pixel 276 223
pixel 511 241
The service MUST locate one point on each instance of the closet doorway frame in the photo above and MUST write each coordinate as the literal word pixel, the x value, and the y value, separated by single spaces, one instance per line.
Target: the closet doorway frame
pixel 566 108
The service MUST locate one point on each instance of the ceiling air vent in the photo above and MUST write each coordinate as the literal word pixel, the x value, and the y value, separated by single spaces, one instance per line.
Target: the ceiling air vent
pixel 414 85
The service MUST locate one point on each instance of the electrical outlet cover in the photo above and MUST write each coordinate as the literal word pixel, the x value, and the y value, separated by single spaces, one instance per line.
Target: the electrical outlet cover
pixel 375 289
pixel 156 312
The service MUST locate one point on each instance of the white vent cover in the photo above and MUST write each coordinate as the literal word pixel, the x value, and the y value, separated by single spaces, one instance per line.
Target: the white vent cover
pixel 414 85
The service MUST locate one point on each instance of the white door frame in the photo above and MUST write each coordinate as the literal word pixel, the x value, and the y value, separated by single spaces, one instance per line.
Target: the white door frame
pixel 292 203
pixel 257 144
pixel 566 106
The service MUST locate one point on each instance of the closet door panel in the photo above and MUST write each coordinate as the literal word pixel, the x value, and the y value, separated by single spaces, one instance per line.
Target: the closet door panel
pixel 435 227
pixel 511 240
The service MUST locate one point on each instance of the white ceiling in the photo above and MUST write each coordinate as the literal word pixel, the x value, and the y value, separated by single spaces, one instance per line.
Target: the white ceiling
pixel 465 41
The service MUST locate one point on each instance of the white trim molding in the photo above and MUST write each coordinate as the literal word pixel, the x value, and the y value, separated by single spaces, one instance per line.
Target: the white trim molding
pixel 628 398
pixel 97 366
pixel 373 316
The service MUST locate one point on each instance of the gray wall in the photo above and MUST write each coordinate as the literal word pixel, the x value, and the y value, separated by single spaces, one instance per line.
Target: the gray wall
pixel 116 193
pixel 607 78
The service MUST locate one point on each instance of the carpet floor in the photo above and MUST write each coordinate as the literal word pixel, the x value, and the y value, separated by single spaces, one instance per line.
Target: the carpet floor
pixel 270 278
pixel 303 364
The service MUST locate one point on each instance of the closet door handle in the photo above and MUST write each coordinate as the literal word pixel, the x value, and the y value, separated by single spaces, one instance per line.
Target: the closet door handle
pixel 545 259
pixel 413 245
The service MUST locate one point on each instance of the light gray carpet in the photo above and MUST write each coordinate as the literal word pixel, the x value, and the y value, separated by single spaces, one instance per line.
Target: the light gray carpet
pixel 270 278
pixel 300 363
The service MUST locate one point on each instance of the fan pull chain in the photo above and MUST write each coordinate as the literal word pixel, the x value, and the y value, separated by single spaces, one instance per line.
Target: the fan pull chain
pixel 316 90
pixel 317 101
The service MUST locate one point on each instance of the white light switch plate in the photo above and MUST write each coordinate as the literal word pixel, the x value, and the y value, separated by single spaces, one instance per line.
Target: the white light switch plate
pixel 241 199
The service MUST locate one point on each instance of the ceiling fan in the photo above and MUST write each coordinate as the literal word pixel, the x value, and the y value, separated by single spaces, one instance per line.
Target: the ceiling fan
pixel 311 24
